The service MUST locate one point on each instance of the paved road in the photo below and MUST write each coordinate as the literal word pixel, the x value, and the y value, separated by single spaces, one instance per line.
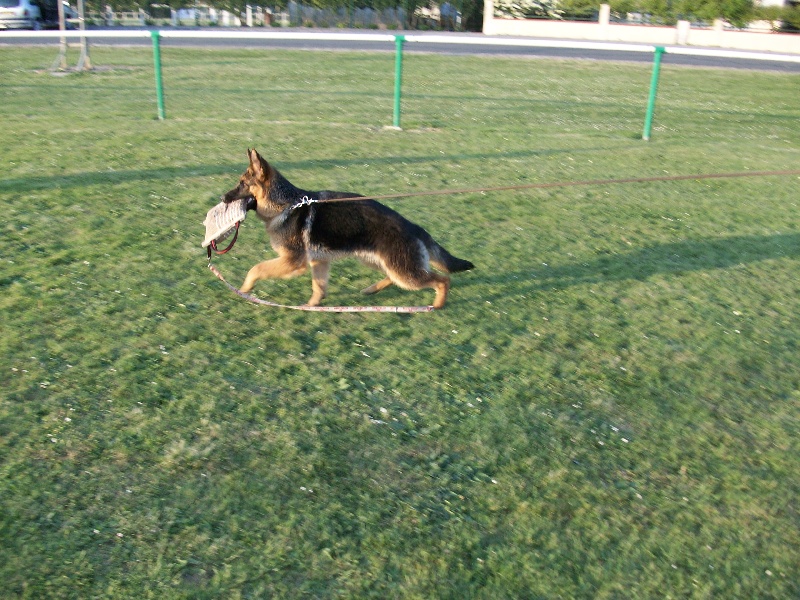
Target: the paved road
pixel 466 49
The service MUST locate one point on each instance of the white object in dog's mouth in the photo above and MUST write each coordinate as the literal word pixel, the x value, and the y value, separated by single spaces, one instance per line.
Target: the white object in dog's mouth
pixel 221 220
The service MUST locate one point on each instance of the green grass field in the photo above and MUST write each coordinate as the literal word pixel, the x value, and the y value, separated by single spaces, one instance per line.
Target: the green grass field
pixel 607 407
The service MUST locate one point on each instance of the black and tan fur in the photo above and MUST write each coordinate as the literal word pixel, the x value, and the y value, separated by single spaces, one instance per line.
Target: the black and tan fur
pixel 313 235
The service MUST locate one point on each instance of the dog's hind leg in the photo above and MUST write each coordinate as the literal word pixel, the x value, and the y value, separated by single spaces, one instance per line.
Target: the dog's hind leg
pixel 281 267
pixel 424 279
pixel 377 287
pixel 440 283
pixel 320 270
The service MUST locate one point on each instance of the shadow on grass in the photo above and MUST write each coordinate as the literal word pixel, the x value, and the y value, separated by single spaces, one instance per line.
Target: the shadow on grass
pixel 24 184
pixel 659 259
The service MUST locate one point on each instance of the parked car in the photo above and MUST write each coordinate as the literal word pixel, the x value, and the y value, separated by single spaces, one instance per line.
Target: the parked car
pixel 34 14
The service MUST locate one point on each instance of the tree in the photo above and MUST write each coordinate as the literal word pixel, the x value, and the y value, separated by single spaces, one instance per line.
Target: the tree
pixel 737 12
pixel 784 18
pixel 579 9
pixel 527 9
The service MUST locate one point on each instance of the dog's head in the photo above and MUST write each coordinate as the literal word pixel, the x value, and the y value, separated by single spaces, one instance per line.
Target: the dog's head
pixel 254 182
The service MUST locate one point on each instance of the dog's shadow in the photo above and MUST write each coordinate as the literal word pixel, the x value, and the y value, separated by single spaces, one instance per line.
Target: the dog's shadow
pixel 646 262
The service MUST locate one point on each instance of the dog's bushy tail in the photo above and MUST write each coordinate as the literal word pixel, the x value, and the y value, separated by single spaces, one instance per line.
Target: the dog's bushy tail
pixel 445 261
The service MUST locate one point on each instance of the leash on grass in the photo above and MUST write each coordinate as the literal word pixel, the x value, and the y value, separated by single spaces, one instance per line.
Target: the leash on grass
pixel 333 309
pixel 240 212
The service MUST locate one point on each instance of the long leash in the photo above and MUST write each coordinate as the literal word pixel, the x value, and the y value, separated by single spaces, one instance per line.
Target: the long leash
pixel 559 184
pixel 528 186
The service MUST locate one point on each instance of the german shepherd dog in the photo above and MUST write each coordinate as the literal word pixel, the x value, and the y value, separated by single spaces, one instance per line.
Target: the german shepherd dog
pixel 313 233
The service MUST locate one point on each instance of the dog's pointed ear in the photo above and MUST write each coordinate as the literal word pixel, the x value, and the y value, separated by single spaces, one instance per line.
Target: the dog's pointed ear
pixel 258 164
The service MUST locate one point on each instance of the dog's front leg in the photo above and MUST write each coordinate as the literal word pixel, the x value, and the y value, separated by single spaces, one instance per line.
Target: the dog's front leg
pixel 320 270
pixel 281 267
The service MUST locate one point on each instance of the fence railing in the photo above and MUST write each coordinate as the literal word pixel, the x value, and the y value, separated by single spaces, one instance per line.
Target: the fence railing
pixel 294 14
pixel 399 42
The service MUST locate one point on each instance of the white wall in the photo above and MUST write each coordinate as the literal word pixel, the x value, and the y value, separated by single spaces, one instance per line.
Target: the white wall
pixel 605 31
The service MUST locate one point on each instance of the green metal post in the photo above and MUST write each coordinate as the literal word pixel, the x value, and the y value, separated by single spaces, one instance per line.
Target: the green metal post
pixel 157 63
pixel 399 40
pixel 651 101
